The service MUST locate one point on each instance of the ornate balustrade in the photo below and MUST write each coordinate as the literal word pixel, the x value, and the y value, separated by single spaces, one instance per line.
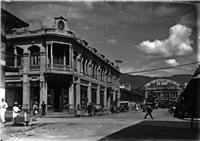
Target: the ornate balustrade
pixel 34 68
pixel 57 67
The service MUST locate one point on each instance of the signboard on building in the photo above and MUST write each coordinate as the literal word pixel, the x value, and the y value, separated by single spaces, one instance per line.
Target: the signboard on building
pixel 162 82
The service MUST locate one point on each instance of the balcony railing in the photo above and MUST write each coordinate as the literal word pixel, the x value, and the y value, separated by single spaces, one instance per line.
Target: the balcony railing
pixel 34 67
pixel 57 67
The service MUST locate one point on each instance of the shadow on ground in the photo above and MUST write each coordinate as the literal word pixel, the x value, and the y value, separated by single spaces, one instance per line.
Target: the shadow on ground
pixel 156 130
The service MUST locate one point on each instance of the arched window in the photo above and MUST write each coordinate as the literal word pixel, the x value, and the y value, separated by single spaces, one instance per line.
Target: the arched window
pixel 35 56
pixel 93 69
pixel 83 65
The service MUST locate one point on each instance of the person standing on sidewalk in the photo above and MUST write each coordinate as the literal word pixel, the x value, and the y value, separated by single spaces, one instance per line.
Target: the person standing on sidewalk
pixel 35 108
pixel 136 107
pixel 149 111
pixel 89 108
pixel 16 111
pixel 43 108
pixel 3 107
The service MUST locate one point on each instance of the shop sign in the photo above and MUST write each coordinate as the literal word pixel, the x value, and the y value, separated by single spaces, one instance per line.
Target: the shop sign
pixel 162 82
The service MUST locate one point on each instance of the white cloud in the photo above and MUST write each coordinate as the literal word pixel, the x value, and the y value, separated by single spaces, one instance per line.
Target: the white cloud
pixel 128 69
pixel 172 62
pixel 178 44
pixel 112 41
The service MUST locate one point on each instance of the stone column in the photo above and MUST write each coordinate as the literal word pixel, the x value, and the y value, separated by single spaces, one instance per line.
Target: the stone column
pixel 105 98
pixel 81 65
pixel 85 67
pixel 89 91
pixel 70 57
pixel 26 84
pixel 64 54
pixel 15 56
pixel 98 73
pixel 47 51
pixel 146 94
pixel 114 97
pixel 78 63
pixel 71 97
pixel 51 61
pixel 78 92
pixel 90 68
pixel 2 64
pixel 98 94
pixel 43 88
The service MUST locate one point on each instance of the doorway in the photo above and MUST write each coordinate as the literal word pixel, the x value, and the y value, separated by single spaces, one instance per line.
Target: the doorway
pixel 57 98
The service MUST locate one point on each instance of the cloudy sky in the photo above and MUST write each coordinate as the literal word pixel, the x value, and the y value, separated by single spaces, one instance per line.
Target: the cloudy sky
pixel 144 35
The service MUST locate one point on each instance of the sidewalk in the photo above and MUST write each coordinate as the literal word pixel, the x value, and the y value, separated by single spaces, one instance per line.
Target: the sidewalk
pixel 42 119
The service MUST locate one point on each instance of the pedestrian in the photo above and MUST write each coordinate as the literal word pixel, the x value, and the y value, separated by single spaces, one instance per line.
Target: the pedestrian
pixel 3 107
pixel 35 112
pixel 43 105
pixel 16 111
pixel 149 111
pixel 89 109
pixel 78 111
pixel 136 107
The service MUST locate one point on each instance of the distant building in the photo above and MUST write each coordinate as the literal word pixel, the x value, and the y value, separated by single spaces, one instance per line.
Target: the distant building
pixel 163 90
pixel 128 94
pixel 126 86
pixel 60 69
pixel 131 95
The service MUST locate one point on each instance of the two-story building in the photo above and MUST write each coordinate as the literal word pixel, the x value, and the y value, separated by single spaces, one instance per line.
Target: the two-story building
pixel 60 69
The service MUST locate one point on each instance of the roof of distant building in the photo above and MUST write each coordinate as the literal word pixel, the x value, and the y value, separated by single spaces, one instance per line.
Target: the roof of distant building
pixel 11 20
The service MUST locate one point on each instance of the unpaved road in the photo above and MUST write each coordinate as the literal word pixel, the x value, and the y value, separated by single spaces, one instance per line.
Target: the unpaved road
pixel 120 126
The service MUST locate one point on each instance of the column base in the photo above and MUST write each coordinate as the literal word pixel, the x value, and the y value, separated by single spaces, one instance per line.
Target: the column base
pixel 71 111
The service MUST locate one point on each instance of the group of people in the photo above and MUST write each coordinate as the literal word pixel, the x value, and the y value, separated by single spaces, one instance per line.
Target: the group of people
pixel 92 110
pixel 17 110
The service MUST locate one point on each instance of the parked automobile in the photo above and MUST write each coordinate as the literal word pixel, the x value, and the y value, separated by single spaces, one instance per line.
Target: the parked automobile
pixel 123 106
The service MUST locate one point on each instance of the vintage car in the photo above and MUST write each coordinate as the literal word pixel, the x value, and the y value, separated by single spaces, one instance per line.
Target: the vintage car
pixel 123 106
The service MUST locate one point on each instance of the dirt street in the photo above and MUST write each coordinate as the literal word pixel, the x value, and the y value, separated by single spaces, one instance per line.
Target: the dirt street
pixel 118 126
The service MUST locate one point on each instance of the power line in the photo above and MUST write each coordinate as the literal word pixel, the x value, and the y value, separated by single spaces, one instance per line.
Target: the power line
pixel 162 68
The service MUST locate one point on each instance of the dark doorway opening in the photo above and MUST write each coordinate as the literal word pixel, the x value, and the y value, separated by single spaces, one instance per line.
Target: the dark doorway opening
pixel 57 98
pixel 34 93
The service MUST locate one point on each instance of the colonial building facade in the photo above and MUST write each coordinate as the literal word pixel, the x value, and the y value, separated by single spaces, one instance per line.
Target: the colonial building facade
pixel 163 90
pixel 60 69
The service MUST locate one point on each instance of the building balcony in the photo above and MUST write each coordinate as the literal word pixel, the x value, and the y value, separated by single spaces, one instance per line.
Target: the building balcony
pixel 58 68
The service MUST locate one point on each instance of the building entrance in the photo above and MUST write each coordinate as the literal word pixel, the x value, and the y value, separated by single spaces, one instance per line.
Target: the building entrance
pixel 34 93
pixel 58 97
